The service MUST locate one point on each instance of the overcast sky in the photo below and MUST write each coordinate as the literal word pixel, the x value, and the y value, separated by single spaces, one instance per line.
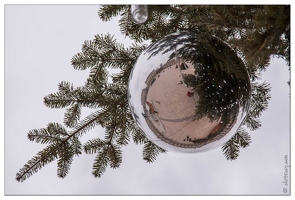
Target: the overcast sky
pixel 40 41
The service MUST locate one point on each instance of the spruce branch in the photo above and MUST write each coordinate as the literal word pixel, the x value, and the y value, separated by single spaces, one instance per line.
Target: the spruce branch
pixel 93 146
pixel 42 158
pixel 53 133
pixel 115 156
pixel 63 98
pixel 64 149
pixel 150 151
pixel 107 12
pixel 65 159
pixel 31 167
pixel 231 148
pixel 86 124
pixel 58 149
pixel 252 122
pixel 260 98
pixel 76 145
pixel 243 138
pixel 72 115
pixel 107 154
pixel 137 136
pixel 101 162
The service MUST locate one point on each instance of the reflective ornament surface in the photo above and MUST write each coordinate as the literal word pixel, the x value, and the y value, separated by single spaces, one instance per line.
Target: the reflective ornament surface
pixel 189 93
pixel 139 13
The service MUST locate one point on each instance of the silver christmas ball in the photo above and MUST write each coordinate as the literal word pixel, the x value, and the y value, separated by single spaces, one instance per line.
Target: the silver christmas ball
pixel 188 92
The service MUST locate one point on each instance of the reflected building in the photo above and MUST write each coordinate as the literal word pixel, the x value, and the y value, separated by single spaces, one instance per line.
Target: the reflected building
pixel 168 104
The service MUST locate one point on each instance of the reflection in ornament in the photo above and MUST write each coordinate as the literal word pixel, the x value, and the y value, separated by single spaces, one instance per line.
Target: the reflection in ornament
pixel 179 92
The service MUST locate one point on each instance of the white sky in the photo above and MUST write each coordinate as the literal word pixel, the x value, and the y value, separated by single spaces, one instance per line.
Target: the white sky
pixel 39 44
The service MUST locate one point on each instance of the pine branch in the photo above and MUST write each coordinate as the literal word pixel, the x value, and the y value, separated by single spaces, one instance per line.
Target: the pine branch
pixel 93 146
pixel 53 133
pixel 31 167
pixel 55 101
pixel 62 150
pixel 138 137
pixel 260 96
pixel 42 136
pixel 243 138
pixel 72 115
pixel 76 145
pixel 65 159
pixel 101 162
pixel 107 12
pixel 107 153
pixel 154 28
pixel 259 102
pixel 87 95
pixel 63 98
pixel 115 156
pixel 151 151
pixel 98 72
pixel 117 128
pixel 52 151
pixel 86 124
pixel 106 53
pixel 251 122
pixel 42 158
pixel 231 148
pixel 94 52
pixel 123 136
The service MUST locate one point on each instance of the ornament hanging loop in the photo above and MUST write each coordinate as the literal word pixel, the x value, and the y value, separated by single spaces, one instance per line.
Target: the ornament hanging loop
pixel 139 13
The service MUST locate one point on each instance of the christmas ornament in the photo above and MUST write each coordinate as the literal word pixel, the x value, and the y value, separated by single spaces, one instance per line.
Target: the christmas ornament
pixel 189 92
